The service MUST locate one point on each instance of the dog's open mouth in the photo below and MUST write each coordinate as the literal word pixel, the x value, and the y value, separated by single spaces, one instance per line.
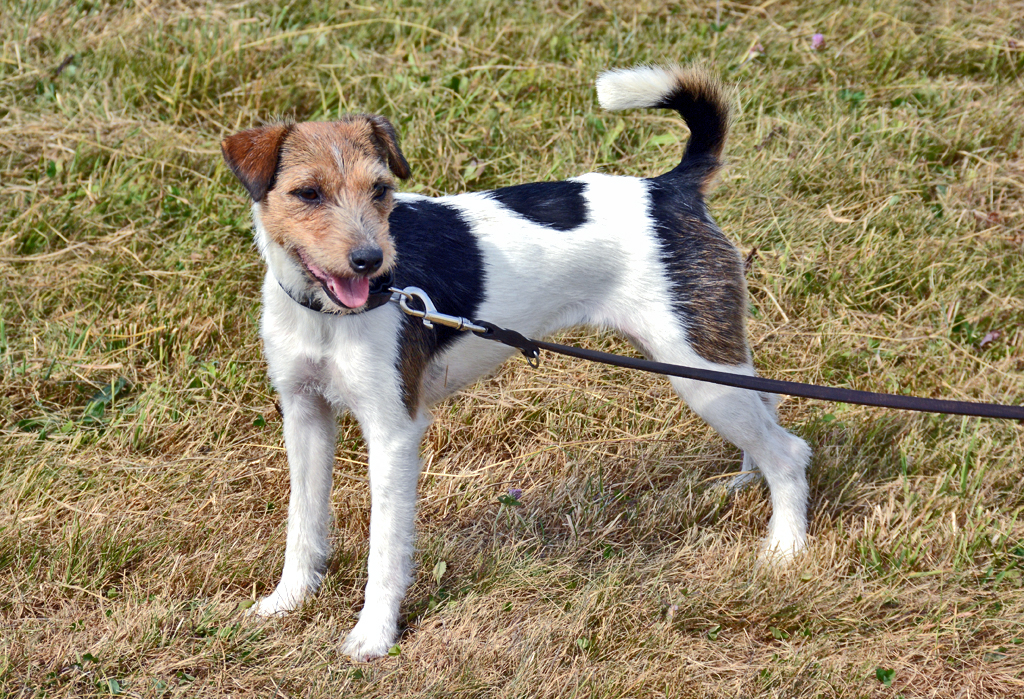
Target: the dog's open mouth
pixel 350 292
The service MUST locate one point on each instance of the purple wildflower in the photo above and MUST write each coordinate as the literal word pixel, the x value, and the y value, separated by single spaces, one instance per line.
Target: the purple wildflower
pixel 818 42
pixel 515 493
pixel 991 336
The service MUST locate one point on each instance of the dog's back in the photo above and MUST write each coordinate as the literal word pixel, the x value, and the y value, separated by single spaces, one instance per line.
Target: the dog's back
pixel 598 250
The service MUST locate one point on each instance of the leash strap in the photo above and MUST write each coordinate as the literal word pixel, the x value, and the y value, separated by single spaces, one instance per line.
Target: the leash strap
pixel 791 388
pixel 424 309
pixel 529 348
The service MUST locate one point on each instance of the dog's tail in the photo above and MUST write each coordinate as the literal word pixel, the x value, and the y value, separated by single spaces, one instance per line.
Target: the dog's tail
pixel 693 92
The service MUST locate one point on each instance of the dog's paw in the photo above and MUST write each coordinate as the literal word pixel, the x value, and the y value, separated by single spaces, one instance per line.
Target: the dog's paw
pixel 366 642
pixel 274 604
pixel 779 552
pixel 744 479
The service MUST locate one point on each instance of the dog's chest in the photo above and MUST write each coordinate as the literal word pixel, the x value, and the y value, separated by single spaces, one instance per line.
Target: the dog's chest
pixel 344 359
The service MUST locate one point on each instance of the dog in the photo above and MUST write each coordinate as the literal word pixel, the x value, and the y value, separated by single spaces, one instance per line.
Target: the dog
pixel 640 256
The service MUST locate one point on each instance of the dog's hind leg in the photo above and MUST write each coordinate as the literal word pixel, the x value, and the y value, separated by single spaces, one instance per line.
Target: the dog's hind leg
pixel 310 433
pixel 750 474
pixel 748 420
pixel 742 418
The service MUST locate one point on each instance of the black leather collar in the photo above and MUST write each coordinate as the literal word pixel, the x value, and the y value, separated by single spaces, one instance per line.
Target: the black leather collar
pixel 380 294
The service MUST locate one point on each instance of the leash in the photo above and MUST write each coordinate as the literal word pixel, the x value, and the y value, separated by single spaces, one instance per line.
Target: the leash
pixel 531 350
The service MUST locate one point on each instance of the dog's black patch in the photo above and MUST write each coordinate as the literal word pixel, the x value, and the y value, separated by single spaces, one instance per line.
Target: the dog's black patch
pixel 558 205
pixel 437 253
pixel 708 288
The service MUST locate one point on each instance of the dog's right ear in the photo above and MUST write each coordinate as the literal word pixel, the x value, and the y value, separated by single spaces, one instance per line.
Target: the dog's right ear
pixel 252 155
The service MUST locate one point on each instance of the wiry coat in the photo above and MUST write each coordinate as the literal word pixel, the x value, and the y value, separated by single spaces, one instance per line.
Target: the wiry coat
pixel 641 256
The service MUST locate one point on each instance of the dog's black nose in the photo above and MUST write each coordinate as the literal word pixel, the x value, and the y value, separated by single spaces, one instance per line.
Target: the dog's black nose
pixel 366 260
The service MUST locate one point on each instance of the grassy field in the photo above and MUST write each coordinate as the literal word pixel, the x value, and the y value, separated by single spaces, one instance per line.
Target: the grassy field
pixel 876 180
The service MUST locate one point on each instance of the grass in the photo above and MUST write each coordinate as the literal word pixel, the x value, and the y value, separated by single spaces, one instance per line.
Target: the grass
pixel 878 184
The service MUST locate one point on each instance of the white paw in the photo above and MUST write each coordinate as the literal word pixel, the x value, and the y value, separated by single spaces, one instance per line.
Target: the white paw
pixel 744 479
pixel 369 641
pixel 779 551
pixel 274 604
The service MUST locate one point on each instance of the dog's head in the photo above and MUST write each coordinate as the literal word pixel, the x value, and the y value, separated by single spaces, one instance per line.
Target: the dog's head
pixel 323 193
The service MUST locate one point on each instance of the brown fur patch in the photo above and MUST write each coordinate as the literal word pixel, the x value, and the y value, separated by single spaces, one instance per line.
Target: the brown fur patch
pixel 386 137
pixel 252 155
pixel 716 314
pixel 705 270
pixel 416 346
pixel 708 287
pixel 343 163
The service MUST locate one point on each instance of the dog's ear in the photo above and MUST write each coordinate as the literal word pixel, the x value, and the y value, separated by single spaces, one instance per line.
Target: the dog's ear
pixel 387 140
pixel 252 155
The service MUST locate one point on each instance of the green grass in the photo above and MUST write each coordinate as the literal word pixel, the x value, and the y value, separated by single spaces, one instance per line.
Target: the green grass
pixel 143 484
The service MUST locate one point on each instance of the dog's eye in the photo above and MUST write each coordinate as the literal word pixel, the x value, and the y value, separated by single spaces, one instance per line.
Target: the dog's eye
pixel 380 191
pixel 307 194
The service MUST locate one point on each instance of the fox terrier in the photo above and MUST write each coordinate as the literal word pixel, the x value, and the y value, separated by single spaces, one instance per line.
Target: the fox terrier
pixel 638 255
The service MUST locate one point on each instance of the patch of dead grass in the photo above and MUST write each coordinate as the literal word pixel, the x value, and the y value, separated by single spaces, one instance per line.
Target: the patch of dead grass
pixel 878 180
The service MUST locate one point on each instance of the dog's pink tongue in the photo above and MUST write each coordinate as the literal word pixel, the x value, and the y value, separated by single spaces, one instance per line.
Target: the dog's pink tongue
pixel 351 292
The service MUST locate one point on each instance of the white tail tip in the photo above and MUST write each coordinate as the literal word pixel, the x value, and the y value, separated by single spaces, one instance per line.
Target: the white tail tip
pixel 637 88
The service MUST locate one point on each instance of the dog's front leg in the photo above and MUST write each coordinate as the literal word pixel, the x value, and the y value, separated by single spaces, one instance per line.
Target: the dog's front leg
pixel 394 470
pixel 310 434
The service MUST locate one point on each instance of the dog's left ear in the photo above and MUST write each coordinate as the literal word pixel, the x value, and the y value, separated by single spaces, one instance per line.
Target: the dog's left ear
pixel 252 155
pixel 387 139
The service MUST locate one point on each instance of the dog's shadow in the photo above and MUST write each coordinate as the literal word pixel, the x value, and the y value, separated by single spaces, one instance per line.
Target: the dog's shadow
pixel 853 455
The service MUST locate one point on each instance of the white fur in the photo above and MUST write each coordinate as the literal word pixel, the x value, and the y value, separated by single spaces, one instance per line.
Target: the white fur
pixel 636 88
pixel 608 273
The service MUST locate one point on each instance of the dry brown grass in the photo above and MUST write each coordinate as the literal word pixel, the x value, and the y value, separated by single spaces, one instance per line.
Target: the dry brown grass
pixel 880 181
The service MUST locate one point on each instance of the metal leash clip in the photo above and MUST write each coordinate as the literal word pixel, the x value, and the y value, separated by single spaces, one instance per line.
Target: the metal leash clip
pixel 429 313
pixel 487 331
